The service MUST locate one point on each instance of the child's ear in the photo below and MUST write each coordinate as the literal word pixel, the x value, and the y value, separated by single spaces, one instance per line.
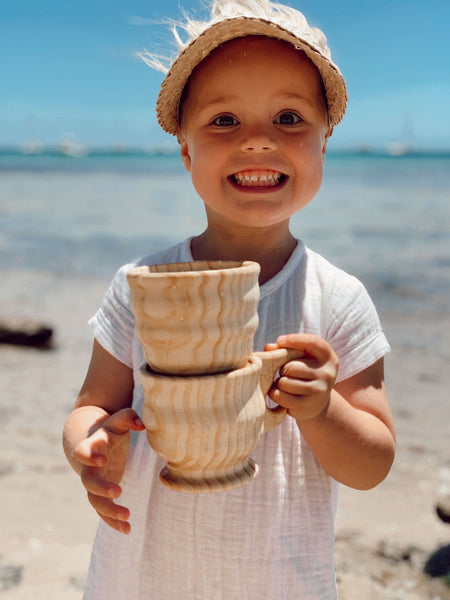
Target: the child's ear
pixel 324 149
pixel 184 150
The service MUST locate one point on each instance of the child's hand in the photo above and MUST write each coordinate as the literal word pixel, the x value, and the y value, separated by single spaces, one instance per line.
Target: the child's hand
pixel 103 456
pixel 305 384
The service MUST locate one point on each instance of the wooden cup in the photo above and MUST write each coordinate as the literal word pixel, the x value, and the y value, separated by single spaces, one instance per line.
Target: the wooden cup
pixel 195 317
pixel 206 426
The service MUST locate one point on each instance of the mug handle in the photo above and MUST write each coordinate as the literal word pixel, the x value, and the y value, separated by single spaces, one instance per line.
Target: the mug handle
pixel 272 360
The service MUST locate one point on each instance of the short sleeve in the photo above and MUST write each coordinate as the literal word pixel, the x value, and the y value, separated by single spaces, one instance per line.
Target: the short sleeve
pixel 113 323
pixel 354 330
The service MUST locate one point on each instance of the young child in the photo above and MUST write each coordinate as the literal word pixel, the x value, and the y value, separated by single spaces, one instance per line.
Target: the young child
pixel 252 98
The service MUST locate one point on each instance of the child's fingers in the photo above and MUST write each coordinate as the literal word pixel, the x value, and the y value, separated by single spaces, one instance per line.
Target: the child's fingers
pixel 97 486
pixel 114 515
pixel 124 420
pixel 290 396
pixel 294 387
pixel 271 346
pixel 312 345
pixel 89 452
pixel 120 526
pixel 92 450
pixel 302 369
pixel 300 379
pixel 107 508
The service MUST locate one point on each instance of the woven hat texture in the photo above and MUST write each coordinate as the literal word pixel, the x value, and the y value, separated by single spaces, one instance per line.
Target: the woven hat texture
pixel 240 18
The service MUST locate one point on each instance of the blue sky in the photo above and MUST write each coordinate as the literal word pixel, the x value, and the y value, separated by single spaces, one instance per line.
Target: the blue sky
pixel 69 70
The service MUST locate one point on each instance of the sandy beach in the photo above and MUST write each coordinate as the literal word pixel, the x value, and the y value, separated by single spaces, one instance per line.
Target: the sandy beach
pixel 384 536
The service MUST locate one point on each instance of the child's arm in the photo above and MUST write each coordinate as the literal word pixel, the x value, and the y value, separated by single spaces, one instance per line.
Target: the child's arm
pixel 347 425
pixel 96 434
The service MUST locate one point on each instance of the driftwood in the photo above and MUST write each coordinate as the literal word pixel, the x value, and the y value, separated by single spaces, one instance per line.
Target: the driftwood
pixel 26 333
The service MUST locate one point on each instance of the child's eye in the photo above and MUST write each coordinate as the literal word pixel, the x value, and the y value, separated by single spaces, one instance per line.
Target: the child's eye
pixel 225 121
pixel 288 118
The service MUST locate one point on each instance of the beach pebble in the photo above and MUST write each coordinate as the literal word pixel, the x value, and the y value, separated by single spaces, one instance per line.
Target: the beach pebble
pixel 443 508
pixel 10 576
pixel 438 565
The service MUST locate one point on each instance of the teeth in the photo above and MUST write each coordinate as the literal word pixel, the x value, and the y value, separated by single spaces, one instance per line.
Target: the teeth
pixel 260 178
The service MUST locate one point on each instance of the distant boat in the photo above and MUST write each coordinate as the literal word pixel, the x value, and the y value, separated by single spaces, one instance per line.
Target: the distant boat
pixel 405 146
pixel 32 147
pixel 399 149
pixel 365 148
pixel 70 148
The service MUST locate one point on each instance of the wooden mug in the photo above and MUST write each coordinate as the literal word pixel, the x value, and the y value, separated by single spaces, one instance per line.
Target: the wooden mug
pixel 206 426
pixel 195 317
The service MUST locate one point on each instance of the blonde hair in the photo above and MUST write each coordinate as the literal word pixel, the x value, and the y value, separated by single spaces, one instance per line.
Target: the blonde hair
pixel 273 12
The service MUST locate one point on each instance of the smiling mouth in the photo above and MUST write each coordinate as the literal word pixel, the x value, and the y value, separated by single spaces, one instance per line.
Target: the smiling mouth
pixel 261 178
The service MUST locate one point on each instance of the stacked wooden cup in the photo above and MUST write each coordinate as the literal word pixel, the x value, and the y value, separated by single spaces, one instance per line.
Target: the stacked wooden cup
pixel 204 389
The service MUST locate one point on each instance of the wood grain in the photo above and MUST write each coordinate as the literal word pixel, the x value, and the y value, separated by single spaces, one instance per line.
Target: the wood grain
pixel 206 426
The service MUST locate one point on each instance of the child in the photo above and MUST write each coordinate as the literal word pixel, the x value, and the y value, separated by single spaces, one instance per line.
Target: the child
pixel 252 99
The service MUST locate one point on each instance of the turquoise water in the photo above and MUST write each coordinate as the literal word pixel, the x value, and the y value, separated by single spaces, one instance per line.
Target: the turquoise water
pixel 384 219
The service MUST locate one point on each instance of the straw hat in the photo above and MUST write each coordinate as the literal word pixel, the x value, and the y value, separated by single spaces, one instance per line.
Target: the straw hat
pixel 241 18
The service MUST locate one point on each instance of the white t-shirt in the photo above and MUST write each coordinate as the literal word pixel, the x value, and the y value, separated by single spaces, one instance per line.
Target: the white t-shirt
pixel 272 538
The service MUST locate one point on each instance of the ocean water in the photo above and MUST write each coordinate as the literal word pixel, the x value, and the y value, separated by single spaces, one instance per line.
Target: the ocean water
pixel 385 219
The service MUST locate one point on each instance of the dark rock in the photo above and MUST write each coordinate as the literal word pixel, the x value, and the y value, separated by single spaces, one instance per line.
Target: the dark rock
pixel 443 509
pixel 438 565
pixel 26 333
pixel 10 576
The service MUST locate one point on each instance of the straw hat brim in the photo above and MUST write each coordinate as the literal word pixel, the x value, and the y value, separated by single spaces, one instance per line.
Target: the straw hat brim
pixel 167 106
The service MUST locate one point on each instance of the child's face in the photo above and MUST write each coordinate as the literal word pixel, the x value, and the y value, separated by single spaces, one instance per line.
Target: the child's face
pixel 253 132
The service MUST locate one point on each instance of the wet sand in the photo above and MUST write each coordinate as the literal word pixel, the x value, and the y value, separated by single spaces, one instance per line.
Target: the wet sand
pixel 384 536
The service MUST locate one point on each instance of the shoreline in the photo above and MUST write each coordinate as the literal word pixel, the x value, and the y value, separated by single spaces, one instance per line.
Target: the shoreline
pixel 47 526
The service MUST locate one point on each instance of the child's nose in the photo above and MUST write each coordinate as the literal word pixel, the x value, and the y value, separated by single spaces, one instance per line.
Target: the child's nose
pixel 257 139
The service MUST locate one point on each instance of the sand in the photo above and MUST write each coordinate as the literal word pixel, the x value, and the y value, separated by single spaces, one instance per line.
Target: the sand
pixel 384 536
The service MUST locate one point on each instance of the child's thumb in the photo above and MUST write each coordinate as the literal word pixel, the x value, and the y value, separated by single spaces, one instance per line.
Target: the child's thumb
pixel 124 420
